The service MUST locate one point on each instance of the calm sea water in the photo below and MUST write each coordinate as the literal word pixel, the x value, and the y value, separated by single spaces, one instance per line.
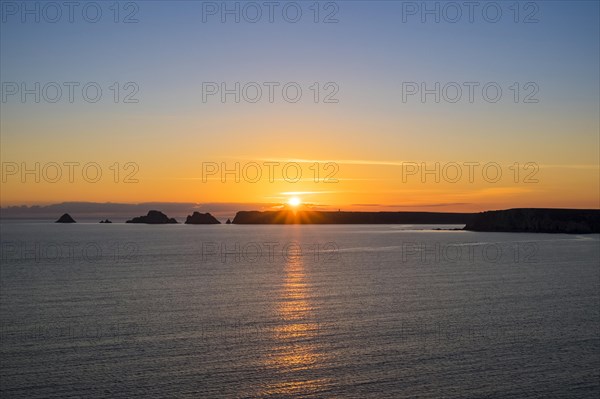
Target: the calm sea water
pixel 121 311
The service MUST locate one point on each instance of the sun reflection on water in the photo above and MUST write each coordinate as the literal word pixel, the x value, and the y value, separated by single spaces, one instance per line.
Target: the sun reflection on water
pixel 295 354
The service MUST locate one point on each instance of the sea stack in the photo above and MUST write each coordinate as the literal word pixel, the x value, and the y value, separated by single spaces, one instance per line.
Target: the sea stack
pixel 153 217
pixel 228 221
pixel 66 218
pixel 201 218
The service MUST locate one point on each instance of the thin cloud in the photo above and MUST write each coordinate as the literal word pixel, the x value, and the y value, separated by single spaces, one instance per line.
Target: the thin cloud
pixel 401 163
pixel 415 205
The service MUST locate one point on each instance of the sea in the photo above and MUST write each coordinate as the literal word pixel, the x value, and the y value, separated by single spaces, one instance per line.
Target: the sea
pixel 92 310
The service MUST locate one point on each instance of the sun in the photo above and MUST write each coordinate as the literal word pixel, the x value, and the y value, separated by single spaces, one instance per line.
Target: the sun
pixel 294 202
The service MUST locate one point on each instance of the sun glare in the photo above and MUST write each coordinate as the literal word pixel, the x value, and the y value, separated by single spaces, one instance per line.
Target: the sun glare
pixel 294 201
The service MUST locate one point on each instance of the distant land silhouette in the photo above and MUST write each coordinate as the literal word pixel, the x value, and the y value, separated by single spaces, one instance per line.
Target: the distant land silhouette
pixel 527 220
pixel 321 217
pixel 66 218
pixel 120 212
pixel 532 220
pixel 201 218
pixel 153 217
pixel 537 220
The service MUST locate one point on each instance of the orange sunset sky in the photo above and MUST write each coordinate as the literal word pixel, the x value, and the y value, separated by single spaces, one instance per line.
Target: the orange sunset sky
pixel 548 150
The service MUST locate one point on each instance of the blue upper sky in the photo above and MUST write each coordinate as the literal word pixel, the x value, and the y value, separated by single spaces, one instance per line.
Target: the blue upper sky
pixel 369 47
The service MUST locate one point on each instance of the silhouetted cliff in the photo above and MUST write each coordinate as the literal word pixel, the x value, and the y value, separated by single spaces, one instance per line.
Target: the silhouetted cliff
pixel 531 220
pixel 153 217
pixel 201 218
pixel 317 217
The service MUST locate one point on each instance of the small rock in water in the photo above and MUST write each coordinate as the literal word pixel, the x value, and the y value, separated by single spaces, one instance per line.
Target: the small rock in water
pixel 66 218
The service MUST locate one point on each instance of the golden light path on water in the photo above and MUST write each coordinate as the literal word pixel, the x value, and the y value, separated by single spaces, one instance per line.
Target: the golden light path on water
pixel 295 353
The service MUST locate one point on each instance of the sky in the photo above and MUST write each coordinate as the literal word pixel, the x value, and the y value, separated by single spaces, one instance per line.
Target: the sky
pixel 523 131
